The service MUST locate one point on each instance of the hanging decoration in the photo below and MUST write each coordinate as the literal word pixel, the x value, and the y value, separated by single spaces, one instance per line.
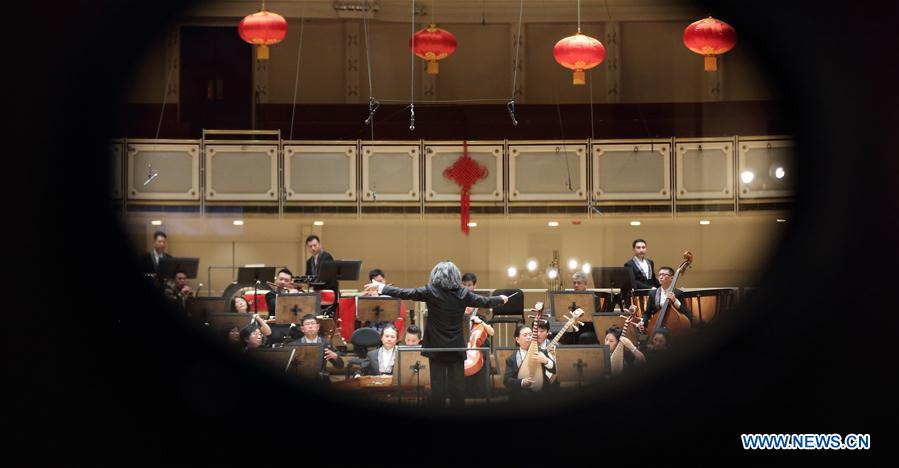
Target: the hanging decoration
pixel 579 52
pixel 433 44
pixel 710 37
pixel 465 172
pixel 263 29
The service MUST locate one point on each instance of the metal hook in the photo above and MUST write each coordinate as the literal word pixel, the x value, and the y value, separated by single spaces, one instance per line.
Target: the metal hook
pixel 511 107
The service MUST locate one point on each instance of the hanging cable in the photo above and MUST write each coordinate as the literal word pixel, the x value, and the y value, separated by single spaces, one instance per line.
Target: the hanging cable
pixel 412 77
pixel 511 104
pixel 373 103
pixel 165 93
pixel 296 78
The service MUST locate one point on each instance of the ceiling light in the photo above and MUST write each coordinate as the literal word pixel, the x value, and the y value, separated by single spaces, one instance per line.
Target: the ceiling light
pixel 747 177
pixel 586 268
pixel 512 271
pixel 532 265
pixel 238 222
pixel 635 223
pixel 318 223
pixel 472 224
pixel 156 222
pixel 704 222
pixel 552 223
pixel 780 173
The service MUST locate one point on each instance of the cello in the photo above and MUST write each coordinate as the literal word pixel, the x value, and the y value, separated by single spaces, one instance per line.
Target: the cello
pixel 668 316
pixel 474 359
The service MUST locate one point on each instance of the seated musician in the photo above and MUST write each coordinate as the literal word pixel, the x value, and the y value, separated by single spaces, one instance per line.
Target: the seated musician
pixel 624 356
pixel 377 276
pixel 543 341
pixel 666 276
pixel 239 305
pixel 231 335
pixel 255 334
pixel 521 388
pixel 283 285
pixel 586 334
pixel 309 327
pixel 178 290
pixel 413 336
pixel 657 344
pixel 380 361
pixel 476 384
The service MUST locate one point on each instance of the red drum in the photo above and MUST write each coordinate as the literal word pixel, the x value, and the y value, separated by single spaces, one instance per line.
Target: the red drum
pixel 327 297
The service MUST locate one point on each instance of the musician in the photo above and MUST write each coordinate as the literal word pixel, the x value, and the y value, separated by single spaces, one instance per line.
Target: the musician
pixel 239 305
pixel 446 300
pixel 413 336
pixel 314 263
pixel 282 333
pixel 543 342
pixel 628 354
pixel 657 344
pixel 255 334
pixel 377 276
pixel 519 389
pixel 476 384
pixel 177 290
pixel 587 334
pixel 309 327
pixel 231 334
pixel 676 297
pixel 150 261
pixel 381 361
pixel 644 268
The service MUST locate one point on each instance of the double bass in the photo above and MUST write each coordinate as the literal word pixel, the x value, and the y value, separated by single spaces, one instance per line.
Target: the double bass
pixel 474 359
pixel 668 316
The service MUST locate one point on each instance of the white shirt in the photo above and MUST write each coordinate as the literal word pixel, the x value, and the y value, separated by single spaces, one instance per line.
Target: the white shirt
pixel 385 360
pixel 644 266
pixel 317 339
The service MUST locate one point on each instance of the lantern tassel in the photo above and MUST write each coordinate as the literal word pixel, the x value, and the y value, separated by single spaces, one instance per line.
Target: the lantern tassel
pixel 433 67
pixel 465 211
pixel 262 52
pixel 579 77
pixel 711 63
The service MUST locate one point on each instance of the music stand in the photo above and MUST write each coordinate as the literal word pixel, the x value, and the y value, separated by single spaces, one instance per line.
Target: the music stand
pixel 581 364
pixel 199 308
pixel 278 358
pixel 604 320
pixel 217 321
pixel 412 370
pixel 171 265
pixel 289 308
pixel 307 360
pixel 339 270
pixel 621 278
pixel 249 275
pixel 377 309
pixel 569 301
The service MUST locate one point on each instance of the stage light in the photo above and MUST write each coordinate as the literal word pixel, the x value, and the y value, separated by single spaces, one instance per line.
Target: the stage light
pixel 553 224
pixel 779 172
pixel 781 220
pixel 156 222
pixel 552 273
pixel 472 224
pixel 704 222
pixel 237 222
pixel 532 265
pixel 512 271
pixel 572 264
pixel 635 223
pixel 747 177
pixel 586 268
pixel 318 223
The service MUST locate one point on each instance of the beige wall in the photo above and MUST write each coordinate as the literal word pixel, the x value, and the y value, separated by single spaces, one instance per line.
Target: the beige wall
pixel 731 251
pixel 322 77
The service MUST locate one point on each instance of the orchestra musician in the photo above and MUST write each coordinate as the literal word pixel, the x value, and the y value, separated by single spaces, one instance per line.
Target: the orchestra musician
pixel 520 389
pixel 412 336
pixel 283 285
pixel 377 276
pixel 150 261
pixel 675 297
pixel 586 334
pixel 254 335
pixel 657 344
pixel 543 342
pixel 446 300
pixel 644 268
pixel 381 361
pixel 178 290
pixel 475 384
pixel 624 356
pixel 309 327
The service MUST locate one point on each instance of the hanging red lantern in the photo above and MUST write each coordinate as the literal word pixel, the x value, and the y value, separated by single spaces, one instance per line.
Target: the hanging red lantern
pixel 433 44
pixel 579 52
pixel 710 37
pixel 263 29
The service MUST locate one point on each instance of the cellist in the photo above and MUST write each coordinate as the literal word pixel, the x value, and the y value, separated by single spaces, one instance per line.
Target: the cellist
pixel 675 297
pixel 474 384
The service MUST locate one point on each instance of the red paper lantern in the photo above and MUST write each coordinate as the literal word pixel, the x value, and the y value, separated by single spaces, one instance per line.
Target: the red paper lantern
pixel 433 44
pixel 710 37
pixel 263 29
pixel 579 52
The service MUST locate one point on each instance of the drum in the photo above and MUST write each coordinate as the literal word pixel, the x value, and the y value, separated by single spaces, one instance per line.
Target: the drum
pixel 327 297
pixel 260 297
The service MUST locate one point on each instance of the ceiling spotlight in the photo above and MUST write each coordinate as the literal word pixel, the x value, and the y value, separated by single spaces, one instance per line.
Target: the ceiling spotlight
pixel 318 223
pixel 156 222
pixel 512 271
pixel 635 223
pixel 586 268
pixel 532 265
pixel 704 222
pixel 238 222
pixel 779 172
pixel 572 264
pixel 747 177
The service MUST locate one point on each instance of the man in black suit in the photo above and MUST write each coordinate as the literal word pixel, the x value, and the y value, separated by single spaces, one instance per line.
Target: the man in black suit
pixel 446 300
pixel 314 262
pixel 309 327
pixel 676 297
pixel 281 333
pixel 150 261
pixel 644 273
pixel 520 389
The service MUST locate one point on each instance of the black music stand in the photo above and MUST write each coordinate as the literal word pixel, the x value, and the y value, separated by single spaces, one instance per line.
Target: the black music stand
pixel 307 360
pixel 171 265
pixel 418 373
pixel 279 359
pixel 621 278
pixel 291 307
pixel 199 308
pixel 339 270
pixel 377 309
pixel 255 276
pixel 219 320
